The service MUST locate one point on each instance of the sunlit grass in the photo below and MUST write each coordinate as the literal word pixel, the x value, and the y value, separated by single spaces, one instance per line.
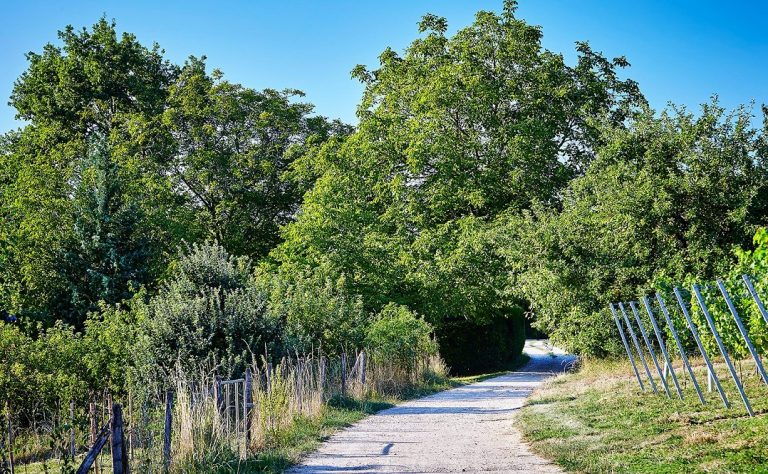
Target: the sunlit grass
pixel 597 420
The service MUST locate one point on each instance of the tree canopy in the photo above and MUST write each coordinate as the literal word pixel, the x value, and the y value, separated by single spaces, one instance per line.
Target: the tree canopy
pixel 455 136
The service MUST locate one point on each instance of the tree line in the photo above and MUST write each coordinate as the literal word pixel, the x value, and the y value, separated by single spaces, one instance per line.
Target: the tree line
pixel 161 211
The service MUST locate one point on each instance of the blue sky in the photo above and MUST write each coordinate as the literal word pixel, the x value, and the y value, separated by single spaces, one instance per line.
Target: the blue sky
pixel 681 51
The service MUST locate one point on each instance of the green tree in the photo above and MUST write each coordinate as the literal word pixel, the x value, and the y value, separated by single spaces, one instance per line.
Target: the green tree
pixel 95 84
pixel 667 197
pixel 194 157
pixel 316 311
pixel 400 338
pixel 209 314
pixel 105 258
pixel 233 148
pixel 455 136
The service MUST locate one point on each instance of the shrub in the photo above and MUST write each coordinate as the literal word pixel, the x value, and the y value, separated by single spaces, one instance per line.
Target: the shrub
pixel 317 310
pixel 209 312
pixel 470 348
pixel 399 337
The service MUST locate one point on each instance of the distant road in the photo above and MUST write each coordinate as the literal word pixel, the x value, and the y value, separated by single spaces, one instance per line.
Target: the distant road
pixel 466 429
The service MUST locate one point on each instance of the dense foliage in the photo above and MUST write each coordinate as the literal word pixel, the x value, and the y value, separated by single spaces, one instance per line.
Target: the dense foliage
pixel 398 337
pixel 668 197
pixel 456 137
pixel 126 155
pixel 157 218
pixel 209 314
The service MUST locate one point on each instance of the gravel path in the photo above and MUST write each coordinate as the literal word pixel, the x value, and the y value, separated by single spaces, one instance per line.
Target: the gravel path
pixel 466 429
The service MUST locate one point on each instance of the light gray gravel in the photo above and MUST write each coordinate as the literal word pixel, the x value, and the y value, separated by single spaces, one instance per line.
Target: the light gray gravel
pixel 466 429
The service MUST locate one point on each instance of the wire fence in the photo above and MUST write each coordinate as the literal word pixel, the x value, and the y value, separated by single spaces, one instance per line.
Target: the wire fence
pixel 201 421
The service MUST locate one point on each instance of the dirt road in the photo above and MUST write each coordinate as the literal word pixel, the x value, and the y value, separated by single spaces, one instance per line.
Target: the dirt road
pixel 466 429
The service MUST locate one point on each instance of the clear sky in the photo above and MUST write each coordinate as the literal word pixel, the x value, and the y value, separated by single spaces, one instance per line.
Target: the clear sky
pixel 681 51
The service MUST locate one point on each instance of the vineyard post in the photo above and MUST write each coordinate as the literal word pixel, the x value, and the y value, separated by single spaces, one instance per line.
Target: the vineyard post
pixel 663 347
pixel 695 333
pixel 755 297
pixel 167 431
pixel 343 374
pixel 626 346
pixel 723 351
pixel 683 356
pixel 650 348
pixel 637 346
pixel 743 331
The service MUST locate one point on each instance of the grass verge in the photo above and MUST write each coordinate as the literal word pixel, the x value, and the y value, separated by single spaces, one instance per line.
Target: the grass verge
pixel 597 420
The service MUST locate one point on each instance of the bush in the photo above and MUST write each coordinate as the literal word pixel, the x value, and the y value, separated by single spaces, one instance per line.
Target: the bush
pixel 317 310
pixel 399 337
pixel 470 348
pixel 208 313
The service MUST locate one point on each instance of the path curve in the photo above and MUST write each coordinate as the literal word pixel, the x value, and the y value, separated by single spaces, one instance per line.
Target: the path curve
pixel 466 429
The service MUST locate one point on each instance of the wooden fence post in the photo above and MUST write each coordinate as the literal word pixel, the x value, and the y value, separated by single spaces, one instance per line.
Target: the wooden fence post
pixel 247 404
pixel 119 459
pixel 299 382
pixel 10 436
pixel 93 453
pixel 362 369
pixel 94 427
pixel 168 428
pixel 131 425
pixel 72 447
pixel 343 374
pixel 237 406
pixel 218 396
pixel 322 377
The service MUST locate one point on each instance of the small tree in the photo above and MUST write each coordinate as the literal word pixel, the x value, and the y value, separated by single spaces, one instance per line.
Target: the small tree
pixel 317 310
pixel 105 258
pixel 208 313
pixel 399 337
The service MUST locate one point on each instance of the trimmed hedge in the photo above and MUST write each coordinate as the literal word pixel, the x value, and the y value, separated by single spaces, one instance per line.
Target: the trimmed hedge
pixel 469 348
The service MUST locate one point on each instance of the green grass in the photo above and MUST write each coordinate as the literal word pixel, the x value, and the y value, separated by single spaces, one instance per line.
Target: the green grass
pixel 597 420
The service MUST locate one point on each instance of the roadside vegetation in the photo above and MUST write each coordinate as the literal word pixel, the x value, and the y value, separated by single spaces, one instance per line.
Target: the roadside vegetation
pixel 161 223
pixel 596 420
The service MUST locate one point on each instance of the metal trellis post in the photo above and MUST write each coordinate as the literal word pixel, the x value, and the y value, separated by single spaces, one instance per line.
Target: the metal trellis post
pixel 755 297
pixel 743 331
pixel 637 346
pixel 710 370
pixel 650 348
pixel 683 356
pixel 663 347
pixel 720 345
pixel 626 347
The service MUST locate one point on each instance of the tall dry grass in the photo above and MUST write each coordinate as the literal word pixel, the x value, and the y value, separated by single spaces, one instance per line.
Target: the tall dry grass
pixel 207 438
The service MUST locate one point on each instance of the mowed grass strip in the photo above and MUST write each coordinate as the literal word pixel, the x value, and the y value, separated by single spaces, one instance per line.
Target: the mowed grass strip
pixel 597 420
